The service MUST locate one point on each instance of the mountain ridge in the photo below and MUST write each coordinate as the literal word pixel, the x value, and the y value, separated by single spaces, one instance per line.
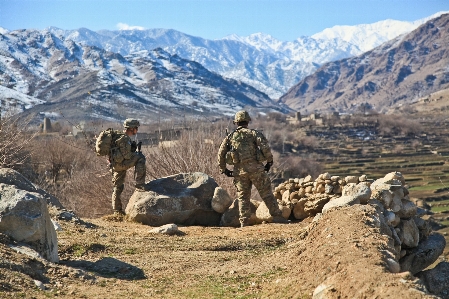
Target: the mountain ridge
pixel 394 74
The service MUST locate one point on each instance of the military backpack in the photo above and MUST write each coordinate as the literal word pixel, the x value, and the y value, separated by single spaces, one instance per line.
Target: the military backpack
pixel 105 143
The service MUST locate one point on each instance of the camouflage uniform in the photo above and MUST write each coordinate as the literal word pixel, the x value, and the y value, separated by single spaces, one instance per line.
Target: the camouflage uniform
pixel 248 149
pixel 123 158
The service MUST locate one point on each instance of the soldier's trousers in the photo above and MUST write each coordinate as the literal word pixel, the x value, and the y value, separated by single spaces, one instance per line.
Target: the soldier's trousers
pixel 244 183
pixel 119 174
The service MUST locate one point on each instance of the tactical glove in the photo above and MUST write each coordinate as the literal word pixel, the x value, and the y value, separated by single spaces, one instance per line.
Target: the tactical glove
pixel 228 173
pixel 133 146
pixel 268 166
pixel 139 146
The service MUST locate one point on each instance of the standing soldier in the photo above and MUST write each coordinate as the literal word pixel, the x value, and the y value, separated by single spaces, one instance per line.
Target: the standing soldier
pixel 246 149
pixel 124 156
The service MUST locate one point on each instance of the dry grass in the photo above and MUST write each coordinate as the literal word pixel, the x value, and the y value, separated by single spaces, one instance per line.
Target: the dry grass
pixel 14 139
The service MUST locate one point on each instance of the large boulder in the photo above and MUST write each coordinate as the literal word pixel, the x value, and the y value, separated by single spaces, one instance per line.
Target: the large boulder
pixel 9 176
pixel 436 280
pixel 24 216
pixel 183 198
pixel 422 256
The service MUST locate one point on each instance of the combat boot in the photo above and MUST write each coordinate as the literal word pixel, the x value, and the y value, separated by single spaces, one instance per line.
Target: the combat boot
pixel 141 187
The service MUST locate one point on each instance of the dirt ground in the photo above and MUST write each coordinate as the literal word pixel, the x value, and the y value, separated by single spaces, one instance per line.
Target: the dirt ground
pixel 109 258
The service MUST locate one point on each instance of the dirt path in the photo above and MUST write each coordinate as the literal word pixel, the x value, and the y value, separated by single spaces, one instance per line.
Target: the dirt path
pixel 107 259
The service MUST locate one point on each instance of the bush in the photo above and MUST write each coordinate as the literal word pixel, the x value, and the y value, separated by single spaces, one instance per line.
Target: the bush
pixel 14 140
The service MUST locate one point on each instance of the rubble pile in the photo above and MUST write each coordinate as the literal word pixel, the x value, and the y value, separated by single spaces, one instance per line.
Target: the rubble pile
pixel 306 198
pixel 415 245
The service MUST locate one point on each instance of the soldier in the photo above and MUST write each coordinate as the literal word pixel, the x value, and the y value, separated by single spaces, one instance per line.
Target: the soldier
pixel 124 156
pixel 246 149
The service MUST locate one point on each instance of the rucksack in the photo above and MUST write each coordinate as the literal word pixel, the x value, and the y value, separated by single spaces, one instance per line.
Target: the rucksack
pixel 106 142
pixel 242 147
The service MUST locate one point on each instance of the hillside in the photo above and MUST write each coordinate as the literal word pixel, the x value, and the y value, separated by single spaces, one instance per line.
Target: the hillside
pixel 85 82
pixel 103 258
pixel 394 74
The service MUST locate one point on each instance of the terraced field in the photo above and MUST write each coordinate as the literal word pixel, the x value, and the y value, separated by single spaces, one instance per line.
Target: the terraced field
pixel 423 159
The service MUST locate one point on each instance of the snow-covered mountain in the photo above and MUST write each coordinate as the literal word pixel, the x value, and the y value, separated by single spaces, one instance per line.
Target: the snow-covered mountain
pixel 260 60
pixel 87 82
pixel 393 75
pixel 368 36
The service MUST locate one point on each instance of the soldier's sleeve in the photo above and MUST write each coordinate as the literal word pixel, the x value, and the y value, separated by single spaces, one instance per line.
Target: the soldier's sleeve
pixel 264 146
pixel 222 155
pixel 124 146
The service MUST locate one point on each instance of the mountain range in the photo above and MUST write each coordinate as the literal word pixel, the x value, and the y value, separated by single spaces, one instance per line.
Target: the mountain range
pixel 163 73
pixel 397 73
pixel 80 81
pixel 270 65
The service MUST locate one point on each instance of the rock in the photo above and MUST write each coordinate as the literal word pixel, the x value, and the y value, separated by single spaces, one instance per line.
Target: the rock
pixel 337 189
pixel 389 217
pixel 408 209
pixel 396 238
pixel 56 225
pixel 221 200
pixel 377 205
pixel 286 197
pixel 263 214
pixel 320 188
pixel 307 179
pixel 385 196
pixel 423 226
pixel 324 291
pixel 9 176
pixel 294 196
pixel 315 205
pixel 351 179
pixel 422 256
pixel 326 176
pixel 361 191
pixel 317 217
pixel 168 229
pixel 298 209
pixel 394 176
pixel 363 178
pixel 328 188
pixel 409 233
pixel 396 204
pixel 343 201
pixel 286 211
pixel 39 284
pixel 393 266
pixel 436 280
pixel 24 216
pixel 231 216
pixel 184 198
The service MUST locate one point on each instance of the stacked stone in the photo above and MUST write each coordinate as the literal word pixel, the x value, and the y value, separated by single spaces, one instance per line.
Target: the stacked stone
pixel 414 244
pixel 305 198
pixel 410 235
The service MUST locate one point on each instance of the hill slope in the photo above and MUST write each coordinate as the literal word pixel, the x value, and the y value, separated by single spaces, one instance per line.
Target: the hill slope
pixel 87 82
pixel 393 74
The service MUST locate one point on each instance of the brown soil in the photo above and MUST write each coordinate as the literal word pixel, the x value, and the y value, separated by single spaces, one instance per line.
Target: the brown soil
pixel 114 258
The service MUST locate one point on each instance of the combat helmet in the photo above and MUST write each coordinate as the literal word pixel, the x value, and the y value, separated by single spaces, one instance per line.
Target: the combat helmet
pixel 131 123
pixel 242 115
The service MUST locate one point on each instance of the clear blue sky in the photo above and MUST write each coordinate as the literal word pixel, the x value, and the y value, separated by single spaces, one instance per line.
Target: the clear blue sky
pixel 213 19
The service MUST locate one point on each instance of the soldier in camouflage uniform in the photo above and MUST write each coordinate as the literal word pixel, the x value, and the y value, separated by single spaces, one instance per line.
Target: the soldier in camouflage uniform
pixel 124 156
pixel 246 149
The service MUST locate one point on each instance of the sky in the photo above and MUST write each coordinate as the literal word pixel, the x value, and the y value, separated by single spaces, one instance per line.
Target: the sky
pixel 285 20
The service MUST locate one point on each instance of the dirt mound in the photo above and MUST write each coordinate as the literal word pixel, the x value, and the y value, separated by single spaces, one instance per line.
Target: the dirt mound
pixel 343 253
